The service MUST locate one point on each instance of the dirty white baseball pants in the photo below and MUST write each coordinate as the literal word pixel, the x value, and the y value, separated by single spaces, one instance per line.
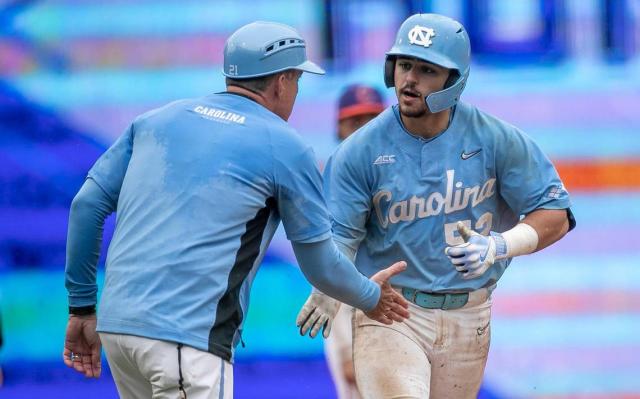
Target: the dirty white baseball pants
pixel 337 349
pixel 436 354
pixel 148 368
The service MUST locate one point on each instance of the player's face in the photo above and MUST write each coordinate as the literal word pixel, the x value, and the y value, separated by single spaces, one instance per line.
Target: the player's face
pixel 349 125
pixel 414 81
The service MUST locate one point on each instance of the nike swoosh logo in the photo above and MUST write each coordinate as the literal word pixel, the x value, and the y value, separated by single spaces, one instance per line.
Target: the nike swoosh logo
pixel 468 155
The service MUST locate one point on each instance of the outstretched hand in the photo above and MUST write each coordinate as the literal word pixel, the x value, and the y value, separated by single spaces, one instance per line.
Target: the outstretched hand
pixel 82 346
pixel 391 306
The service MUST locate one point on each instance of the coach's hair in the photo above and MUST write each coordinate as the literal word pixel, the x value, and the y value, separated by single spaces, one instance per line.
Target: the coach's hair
pixel 258 84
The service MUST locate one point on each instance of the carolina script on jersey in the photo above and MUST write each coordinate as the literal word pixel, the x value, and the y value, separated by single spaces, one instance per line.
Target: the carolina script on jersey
pixel 435 203
pixel 220 115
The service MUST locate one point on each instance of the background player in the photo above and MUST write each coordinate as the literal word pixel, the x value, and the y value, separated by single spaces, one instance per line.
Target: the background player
pixel 453 190
pixel 200 186
pixel 357 105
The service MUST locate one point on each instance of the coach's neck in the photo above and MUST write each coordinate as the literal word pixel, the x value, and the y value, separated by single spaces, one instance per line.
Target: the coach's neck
pixel 258 97
pixel 277 95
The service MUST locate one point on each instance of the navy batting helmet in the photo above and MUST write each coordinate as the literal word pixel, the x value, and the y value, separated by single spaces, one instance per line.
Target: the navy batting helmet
pixel 439 40
pixel 263 48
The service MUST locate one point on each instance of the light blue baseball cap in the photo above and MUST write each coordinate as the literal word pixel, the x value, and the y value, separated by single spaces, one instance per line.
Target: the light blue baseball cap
pixel 264 48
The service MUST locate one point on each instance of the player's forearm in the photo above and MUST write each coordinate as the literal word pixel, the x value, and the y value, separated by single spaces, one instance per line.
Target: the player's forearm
pixel 536 231
pixel 89 209
pixel 334 274
pixel 550 225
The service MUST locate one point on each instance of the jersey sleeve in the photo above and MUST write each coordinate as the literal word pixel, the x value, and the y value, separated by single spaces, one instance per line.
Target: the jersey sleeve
pixel 89 209
pixel 109 170
pixel 298 187
pixel 322 261
pixel 527 179
pixel 347 192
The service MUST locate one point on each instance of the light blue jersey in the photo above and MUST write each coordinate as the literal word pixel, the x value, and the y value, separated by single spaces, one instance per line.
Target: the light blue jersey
pixel 201 186
pixel 395 196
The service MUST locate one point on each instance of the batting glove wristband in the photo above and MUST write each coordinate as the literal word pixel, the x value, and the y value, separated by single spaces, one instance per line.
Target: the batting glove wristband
pixel 318 312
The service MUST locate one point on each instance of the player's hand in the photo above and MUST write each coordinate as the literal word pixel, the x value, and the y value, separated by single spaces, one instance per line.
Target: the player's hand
pixel 82 346
pixel 475 256
pixel 391 306
pixel 318 312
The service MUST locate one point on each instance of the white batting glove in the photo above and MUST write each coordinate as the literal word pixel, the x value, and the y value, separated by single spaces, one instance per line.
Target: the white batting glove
pixel 318 312
pixel 478 252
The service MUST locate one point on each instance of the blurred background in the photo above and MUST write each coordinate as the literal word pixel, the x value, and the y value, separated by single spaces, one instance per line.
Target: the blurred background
pixel 73 74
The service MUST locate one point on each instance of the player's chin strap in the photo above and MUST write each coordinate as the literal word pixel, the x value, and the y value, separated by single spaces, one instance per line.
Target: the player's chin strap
pixel 478 252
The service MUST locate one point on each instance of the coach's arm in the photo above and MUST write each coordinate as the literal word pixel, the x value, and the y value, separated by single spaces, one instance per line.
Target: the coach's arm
pixel 331 272
pixel 89 209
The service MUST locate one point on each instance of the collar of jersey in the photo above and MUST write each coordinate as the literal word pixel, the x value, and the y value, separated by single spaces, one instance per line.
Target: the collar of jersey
pixel 242 99
pixel 413 144
pixel 240 95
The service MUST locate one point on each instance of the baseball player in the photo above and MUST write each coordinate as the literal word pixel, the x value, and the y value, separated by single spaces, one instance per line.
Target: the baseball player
pixel 357 105
pixel 453 190
pixel 200 186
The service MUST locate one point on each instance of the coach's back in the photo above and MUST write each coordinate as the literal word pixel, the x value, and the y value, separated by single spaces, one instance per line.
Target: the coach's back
pixel 203 185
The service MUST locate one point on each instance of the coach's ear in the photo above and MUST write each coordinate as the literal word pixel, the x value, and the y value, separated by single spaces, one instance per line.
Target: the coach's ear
pixel 279 85
pixel 283 90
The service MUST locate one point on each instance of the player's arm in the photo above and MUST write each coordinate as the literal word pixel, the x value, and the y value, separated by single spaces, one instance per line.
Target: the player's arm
pixel 550 226
pixel 531 186
pixel 536 231
pixel 341 181
pixel 334 274
pixel 348 195
pixel 307 223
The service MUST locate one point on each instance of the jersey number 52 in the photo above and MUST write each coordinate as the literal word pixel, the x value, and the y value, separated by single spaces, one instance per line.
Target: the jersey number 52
pixel 482 226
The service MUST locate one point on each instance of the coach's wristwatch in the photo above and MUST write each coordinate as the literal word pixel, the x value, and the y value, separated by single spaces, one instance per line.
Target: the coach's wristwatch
pixel 82 310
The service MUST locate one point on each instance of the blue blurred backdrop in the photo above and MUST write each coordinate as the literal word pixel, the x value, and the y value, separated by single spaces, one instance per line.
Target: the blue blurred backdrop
pixel 73 73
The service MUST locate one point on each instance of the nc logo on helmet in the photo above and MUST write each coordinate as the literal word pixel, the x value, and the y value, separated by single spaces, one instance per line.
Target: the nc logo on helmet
pixel 421 36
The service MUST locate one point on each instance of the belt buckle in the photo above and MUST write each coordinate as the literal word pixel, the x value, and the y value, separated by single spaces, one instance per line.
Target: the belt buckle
pixel 451 302
pixel 446 302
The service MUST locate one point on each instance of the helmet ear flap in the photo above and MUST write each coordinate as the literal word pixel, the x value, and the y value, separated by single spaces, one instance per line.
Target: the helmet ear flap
pixel 389 66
